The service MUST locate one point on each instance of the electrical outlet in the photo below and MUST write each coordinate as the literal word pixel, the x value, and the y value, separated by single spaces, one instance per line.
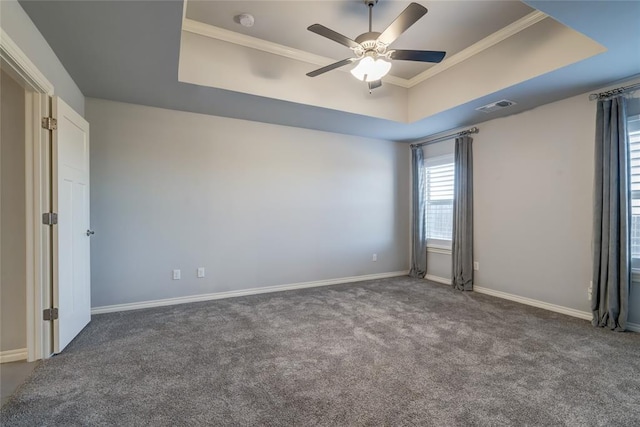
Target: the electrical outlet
pixel 374 257
pixel 590 291
pixel 476 265
pixel 176 274
pixel 200 272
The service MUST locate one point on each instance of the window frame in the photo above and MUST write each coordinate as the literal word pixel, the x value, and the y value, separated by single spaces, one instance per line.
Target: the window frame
pixel 635 262
pixel 445 159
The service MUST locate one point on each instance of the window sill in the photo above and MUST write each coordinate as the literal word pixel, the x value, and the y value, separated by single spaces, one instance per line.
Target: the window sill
pixel 433 249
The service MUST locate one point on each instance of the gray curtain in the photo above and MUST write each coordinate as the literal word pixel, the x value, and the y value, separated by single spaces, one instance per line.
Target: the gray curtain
pixel 462 241
pixel 611 255
pixel 418 226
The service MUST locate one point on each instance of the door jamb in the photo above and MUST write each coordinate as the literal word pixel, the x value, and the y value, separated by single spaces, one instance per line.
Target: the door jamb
pixel 38 91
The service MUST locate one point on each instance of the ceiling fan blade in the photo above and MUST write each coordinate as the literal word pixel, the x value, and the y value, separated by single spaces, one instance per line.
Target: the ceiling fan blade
pixel 332 35
pixel 406 19
pixel 331 67
pixel 418 55
pixel 374 85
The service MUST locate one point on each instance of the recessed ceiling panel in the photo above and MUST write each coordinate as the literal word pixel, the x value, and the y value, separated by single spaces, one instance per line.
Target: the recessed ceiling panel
pixel 138 63
pixel 449 25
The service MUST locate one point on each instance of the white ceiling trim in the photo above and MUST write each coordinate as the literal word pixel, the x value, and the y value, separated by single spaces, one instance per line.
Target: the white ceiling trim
pixel 225 35
pixel 484 44
pixel 222 34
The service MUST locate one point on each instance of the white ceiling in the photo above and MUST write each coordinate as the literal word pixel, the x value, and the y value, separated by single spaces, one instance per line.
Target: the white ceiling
pixel 450 26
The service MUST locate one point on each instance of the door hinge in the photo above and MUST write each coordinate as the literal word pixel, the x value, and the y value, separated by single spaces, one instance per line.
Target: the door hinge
pixel 49 123
pixel 50 314
pixel 49 218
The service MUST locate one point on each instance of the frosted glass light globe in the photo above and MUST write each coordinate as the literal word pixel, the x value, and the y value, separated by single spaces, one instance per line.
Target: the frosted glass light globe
pixel 370 70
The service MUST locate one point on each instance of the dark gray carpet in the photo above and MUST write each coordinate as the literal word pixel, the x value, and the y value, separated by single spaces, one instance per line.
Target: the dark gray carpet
pixel 388 352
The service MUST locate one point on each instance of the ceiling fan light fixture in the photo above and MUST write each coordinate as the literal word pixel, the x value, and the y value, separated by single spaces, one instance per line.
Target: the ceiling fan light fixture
pixel 370 70
pixel 371 48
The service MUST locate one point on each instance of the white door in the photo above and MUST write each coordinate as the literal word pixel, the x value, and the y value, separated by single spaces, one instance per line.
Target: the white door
pixel 71 261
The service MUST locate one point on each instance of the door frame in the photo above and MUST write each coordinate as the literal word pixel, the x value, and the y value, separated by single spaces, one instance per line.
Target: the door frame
pixel 38 91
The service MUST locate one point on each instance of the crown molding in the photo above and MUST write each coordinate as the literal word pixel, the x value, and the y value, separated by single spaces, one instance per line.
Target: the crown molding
pixel 484 44
pixel 200 28
pixel 222 34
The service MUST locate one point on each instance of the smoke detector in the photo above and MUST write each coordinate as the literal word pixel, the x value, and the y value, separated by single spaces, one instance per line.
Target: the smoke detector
pixel 495 106
pixel 245 19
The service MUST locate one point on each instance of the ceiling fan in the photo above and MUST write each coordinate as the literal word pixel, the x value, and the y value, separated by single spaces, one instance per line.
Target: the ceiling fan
pixel 371 48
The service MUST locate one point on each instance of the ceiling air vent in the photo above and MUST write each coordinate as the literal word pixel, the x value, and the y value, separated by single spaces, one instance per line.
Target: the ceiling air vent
pixel 495 106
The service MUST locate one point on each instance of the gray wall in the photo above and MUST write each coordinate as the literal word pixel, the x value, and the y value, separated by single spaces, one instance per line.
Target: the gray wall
pixel 438 264
pixel 17 24
pixel 533 183
pixel 13 285
pixel 533 189
pixel 255 204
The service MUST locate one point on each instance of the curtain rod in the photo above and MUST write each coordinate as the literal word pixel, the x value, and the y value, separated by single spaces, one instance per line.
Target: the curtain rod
pixel 616 91
pixel 445 137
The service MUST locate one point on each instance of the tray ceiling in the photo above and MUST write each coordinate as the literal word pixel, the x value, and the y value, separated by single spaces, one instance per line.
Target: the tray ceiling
pixel 275 66
pixel 450 26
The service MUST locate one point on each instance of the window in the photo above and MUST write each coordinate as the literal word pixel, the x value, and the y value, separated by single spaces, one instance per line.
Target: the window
pixel 439 200
pixel 634 159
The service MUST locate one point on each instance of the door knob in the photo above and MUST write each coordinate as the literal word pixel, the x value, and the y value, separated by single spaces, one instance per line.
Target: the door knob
pixel 90 232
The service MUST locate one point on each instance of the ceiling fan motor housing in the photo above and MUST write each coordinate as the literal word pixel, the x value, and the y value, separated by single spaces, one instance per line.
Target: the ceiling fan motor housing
pixel 371 36
pixel 369 43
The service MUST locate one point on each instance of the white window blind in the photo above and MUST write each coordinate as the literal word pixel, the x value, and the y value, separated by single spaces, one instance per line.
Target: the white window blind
pixel 634 159
pixel 439 200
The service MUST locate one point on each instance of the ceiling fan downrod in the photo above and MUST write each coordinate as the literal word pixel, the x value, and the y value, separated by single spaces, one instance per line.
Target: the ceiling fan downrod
pixel 371 3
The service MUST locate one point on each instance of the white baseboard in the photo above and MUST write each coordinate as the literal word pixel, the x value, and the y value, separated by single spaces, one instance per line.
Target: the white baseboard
pixel 535 303
pixel 529 301
pixel 240 293
pixel 438 279
pixel 13 355
pixel 586 315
